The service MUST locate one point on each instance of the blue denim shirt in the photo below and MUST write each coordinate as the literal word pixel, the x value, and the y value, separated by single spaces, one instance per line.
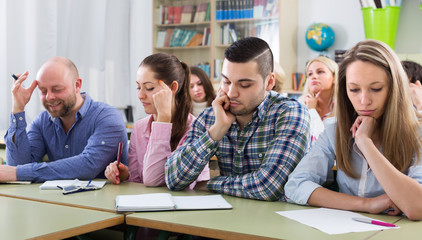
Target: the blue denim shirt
pixel 316 167
pixel 90 145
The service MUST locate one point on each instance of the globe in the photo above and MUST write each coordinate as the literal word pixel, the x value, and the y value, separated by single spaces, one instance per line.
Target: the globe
pixel 319 36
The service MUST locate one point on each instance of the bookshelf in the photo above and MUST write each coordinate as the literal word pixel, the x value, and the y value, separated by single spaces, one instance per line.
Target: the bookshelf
pixel 272 20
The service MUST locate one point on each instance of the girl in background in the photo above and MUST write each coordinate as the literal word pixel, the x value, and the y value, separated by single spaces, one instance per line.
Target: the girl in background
pixel 201 90
pixel 318 94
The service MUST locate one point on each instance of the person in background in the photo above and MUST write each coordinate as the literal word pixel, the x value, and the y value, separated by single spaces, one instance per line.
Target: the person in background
pixel 280 77
pixel 414 73
pixel 163 89
pixel 79 136
pixel 201 90
pixel 375 140
pixel 318 94
pixel 257 135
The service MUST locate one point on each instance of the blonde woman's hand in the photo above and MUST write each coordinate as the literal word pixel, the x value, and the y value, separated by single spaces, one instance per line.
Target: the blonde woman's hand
pixel 311 100
pixel 163 102
pixel 115 174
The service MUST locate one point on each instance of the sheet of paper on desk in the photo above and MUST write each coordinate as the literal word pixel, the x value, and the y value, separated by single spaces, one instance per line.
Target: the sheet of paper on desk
pixel 331 221
pixel 52 185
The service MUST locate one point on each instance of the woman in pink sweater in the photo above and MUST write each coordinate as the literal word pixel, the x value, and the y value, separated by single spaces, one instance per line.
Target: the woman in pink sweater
pixel 163 88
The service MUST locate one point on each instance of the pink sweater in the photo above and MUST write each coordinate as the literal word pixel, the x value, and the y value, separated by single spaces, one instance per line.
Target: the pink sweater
pixel 149 149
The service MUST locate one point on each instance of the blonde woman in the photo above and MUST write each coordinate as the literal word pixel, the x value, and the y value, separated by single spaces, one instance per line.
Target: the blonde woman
pixel 375 140
pixel 318 94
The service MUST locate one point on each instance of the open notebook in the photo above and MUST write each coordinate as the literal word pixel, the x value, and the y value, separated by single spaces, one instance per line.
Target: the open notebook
pixel 166 202
pixel 60 184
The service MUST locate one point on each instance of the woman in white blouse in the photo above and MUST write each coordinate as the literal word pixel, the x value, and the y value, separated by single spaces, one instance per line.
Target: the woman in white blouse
pixel 201 90
pixel 318 94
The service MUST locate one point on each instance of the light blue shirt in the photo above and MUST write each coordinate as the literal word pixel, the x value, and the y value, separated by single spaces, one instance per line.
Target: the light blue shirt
pixel 316 167
pixel 84 152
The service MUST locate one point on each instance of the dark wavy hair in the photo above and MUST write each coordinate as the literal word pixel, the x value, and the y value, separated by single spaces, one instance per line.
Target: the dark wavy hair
pixel 169 68
pixel 413 71
pixel 206 82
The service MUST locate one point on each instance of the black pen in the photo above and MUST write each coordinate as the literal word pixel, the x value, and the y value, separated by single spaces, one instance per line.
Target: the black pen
pixel 14 76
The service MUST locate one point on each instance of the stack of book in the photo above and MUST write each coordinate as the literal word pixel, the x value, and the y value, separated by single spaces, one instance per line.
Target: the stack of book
pixel 178 37
pixel 298 81
pixel 240 9
pixel 188 13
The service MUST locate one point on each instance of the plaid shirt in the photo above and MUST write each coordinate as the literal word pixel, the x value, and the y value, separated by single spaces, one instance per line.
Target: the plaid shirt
pixel 254 161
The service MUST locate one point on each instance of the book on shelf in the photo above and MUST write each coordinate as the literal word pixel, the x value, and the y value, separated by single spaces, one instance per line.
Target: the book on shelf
pixel 234 9
pixel 175 38
pixel 206 38
pixel 258 8
pixel 167 202
pixel 208 12
pixel 161 14
pixel 201 11
pixel 187 11
pixel 177 11
pixel 196 40
pixel 218 65
pixel 298 81
pixel 161 35
pixel 228 34
pixel 178 37
pixel 167 39
pixel 165 15
pixel 170 15
pixel 205 67
pixel 186 37
pixel 192 17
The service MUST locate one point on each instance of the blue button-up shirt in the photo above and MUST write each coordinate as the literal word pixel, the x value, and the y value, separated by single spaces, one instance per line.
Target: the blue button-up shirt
pixel 84 152
pixel 254 161
pixel 316 168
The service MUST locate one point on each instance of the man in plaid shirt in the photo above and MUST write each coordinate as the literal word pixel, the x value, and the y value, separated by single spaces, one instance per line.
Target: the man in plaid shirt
pixel 257 135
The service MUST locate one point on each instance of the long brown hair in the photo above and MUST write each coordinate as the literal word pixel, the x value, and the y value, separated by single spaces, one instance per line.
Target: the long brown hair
pixel 206 82
pixel 400 123
pixel 168 68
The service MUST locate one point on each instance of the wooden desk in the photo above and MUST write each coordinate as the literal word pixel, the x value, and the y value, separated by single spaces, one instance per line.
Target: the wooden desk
pixel 249 219
pixel 408 230
pixel 102 200
pixel 23 219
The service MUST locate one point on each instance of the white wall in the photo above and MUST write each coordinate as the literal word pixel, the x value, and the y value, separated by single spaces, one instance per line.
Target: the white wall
pixel 345 18
pixel 141 45
pixel 106 39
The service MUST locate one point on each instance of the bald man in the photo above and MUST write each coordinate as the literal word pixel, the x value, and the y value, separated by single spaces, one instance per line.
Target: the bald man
pixel 79 136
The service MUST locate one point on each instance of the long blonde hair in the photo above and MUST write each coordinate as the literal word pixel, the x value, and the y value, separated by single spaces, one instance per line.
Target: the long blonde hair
pixel 398 126
pixel 333 67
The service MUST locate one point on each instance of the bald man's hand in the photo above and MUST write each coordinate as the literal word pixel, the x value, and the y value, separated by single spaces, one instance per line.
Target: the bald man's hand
pixel 21 95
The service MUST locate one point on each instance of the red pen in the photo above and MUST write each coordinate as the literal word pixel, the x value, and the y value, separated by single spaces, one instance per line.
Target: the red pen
pixel 119 153
pixel 375 222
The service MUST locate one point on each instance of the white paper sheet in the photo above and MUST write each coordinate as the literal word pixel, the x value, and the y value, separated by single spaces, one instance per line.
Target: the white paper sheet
pixel 332 221
pixel 201 202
